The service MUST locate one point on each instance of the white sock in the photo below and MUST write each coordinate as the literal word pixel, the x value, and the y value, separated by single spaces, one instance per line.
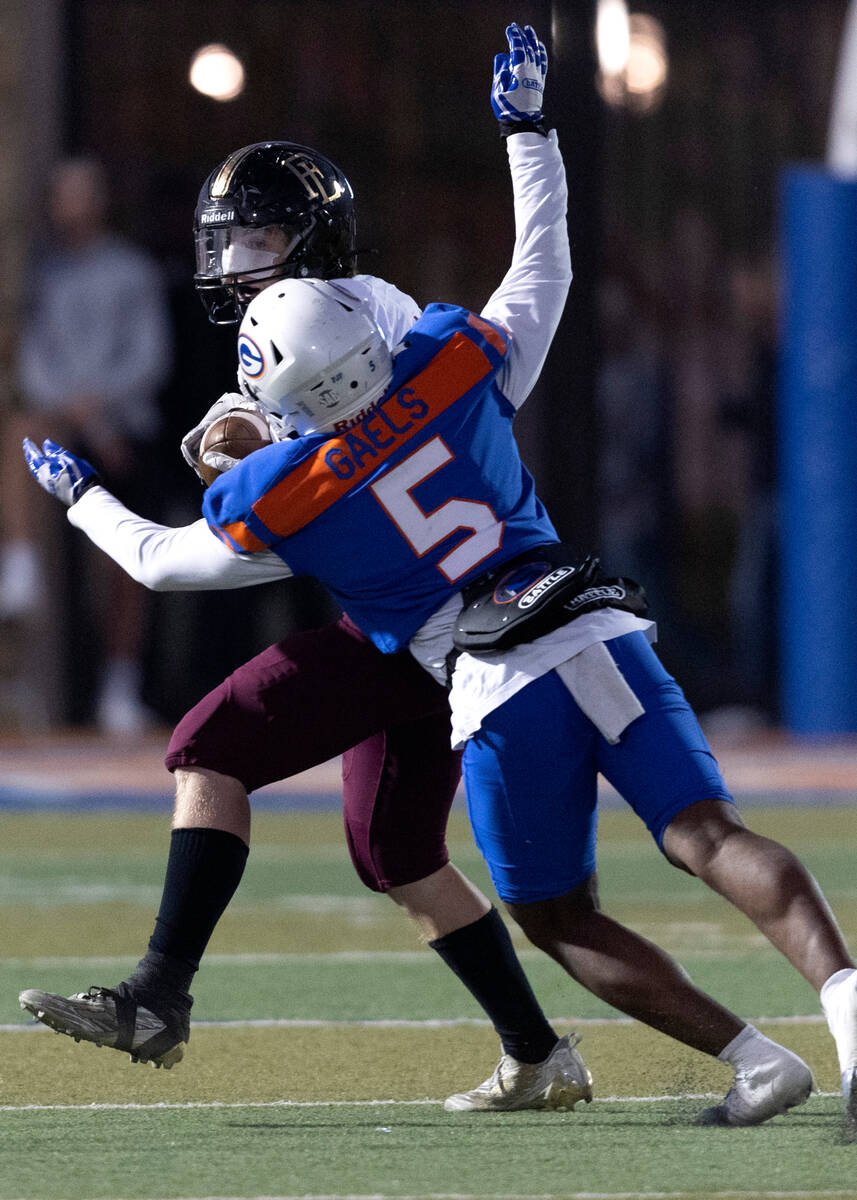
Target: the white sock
pixel 749 1049
pixel 839 1001
pixel 832 983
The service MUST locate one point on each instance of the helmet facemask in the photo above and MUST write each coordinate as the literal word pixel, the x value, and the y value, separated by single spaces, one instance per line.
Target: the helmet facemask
pixel 271 211
pixel 235 262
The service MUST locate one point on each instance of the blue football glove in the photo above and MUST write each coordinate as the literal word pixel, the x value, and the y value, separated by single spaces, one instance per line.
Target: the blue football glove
pixel 519 77
pixel 59 472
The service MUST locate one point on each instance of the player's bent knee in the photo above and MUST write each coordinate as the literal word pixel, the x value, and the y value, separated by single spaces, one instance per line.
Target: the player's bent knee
pixel 549 922
pixel 392 859
pixel 698 833
pixel 378 878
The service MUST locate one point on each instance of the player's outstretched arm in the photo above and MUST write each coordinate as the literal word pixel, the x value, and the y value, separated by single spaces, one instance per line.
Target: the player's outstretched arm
pixel 530 300
pixel 165 559
pixel 189 558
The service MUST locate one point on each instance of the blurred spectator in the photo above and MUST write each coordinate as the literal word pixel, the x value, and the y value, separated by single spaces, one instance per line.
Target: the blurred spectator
pixel 708 462
pixel 749 409
pixel 95 347
pixel 633 472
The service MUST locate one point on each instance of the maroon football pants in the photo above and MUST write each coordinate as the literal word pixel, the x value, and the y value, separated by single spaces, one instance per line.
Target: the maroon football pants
pixel 327 692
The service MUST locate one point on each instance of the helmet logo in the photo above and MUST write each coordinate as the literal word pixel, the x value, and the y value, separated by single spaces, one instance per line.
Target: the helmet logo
pixel 329 397
pixel 215 215
pixel 312 177
pixel 250 356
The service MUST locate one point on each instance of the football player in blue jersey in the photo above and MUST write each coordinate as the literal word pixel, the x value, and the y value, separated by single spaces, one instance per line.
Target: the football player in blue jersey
pixel 405 495
pixel 270 211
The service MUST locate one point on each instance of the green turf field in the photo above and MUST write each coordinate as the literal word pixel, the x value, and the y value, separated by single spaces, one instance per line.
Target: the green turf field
pixel 327 1036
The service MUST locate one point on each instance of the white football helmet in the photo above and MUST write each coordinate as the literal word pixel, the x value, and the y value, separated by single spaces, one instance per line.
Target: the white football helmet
pixel 312 353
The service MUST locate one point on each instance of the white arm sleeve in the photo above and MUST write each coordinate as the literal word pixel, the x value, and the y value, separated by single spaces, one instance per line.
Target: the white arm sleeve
pixel 188 559
pixel 530 300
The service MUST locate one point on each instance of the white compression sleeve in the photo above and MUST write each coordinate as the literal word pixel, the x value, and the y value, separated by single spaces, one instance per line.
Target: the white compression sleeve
pixel 190 558
pixel 530 300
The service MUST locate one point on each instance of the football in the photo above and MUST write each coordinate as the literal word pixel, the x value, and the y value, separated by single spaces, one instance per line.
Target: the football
pixel 237 434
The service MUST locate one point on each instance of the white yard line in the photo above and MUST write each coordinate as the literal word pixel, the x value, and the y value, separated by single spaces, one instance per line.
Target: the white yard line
pixel 402 1023
pixel 725 948
pixel 240 1104
pixel 730 1195
pixel 108 961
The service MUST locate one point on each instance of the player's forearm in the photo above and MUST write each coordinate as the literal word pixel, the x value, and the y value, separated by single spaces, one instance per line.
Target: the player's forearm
pixel 541 252
pixel 530 300
pixel 541 204
pixel 164 559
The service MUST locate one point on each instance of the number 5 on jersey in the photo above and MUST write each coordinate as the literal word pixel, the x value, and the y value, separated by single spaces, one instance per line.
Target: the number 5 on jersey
pixel 425 530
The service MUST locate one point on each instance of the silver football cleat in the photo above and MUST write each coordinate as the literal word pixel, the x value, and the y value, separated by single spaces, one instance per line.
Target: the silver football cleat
pixel 111 1017
pixel 557 1083
pixel 774 1087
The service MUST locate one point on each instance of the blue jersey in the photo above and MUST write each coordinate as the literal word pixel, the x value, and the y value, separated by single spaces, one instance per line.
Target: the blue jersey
pixel 395 515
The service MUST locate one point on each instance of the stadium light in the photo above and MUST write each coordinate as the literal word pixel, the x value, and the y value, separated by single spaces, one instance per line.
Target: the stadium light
pixel 842 131
pixel 632 57
pixel 217 72
pixel 612 36
pixel 647 70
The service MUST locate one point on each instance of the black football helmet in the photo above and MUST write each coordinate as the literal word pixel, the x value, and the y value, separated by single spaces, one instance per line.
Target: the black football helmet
pixel 272 210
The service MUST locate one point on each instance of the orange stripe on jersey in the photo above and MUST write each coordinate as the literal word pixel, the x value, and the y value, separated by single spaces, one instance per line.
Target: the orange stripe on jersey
pixel 241 535
pixel 314 485
pixel 492 335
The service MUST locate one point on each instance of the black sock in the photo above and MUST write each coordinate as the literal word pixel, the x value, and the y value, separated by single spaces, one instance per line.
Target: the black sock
pixel 483 958
pixel 203 870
